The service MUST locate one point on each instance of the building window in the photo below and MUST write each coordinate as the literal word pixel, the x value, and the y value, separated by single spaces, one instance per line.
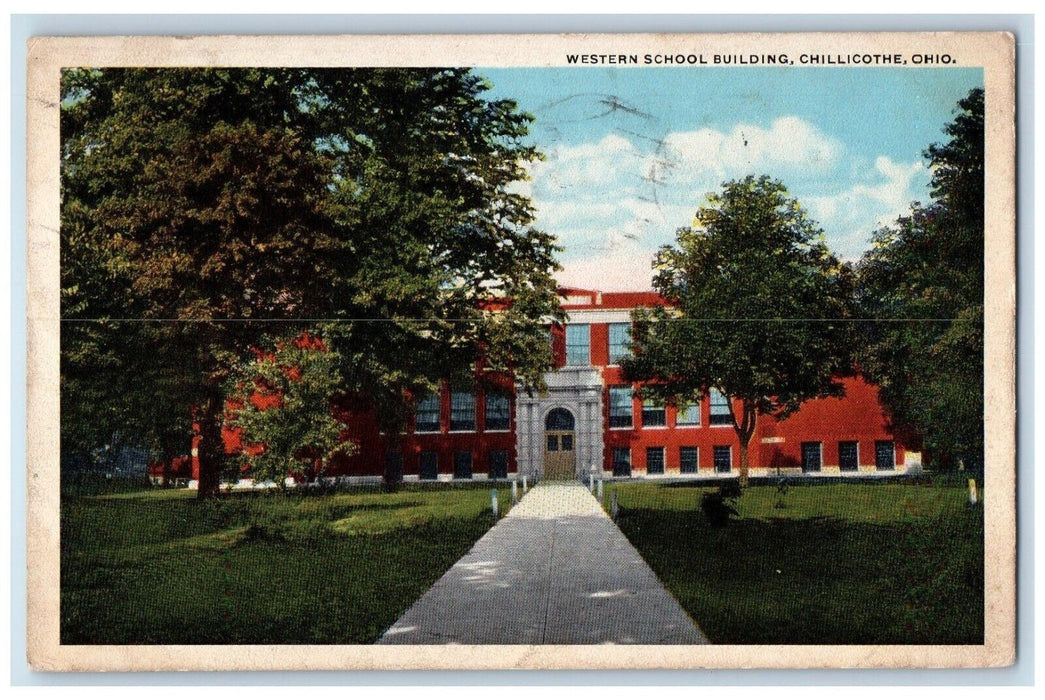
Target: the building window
pixel 620 407
pixel 497 411
pixel 884 455
pixel 654 460
pixel 499 464
pixel 426 414
pixel 723 459
pixel 688 460
pixel 620 336
pixel 429 466
pixel 578 344
pixel 621 461
pixel 721 411
pixel 553 443
pixel 811 456
pixel 463 465
pixel 848 456
pixel 653 414
pixel 688 414
pixel 462 411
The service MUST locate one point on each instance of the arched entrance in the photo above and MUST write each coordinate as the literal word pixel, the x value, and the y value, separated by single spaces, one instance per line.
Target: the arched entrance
pixel 560 456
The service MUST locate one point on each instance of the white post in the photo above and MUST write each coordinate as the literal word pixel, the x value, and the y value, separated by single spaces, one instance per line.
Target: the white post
pixel 515 493
pixel 972 492
pixel 493 502
pixel 591 482
pixel 600 490
pixel 613 505
pixel 525 487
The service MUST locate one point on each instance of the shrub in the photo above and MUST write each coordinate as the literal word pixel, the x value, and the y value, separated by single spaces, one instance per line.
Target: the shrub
pixel 719 505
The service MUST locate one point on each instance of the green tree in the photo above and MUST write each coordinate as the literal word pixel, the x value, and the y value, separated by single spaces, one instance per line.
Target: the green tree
pixel 283 401
pixel 923 282
pixel 119 378
pixel 757 309
pixel 229 203
pixel 203 200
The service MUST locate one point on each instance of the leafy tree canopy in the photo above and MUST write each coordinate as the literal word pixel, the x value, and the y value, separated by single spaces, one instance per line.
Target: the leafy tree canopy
pixel 923 282
pixel 238 201
pixel 284 410
pixel 757 309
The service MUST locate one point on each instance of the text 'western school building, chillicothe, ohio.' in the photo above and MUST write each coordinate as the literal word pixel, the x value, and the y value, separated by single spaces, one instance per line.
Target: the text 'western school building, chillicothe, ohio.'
pixel 589 422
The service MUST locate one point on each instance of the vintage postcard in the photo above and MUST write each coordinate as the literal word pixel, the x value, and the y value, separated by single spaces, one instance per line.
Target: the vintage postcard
pixel 521 352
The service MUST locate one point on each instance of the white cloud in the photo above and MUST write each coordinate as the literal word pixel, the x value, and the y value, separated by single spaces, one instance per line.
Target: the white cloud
pixel 614 201
pixel 586 164
pixel 790 142
pixel 789 147
pixel 565 212
pixel 851 216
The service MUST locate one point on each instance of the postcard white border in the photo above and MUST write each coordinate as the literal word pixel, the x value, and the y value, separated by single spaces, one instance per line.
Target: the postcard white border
pixel 993 51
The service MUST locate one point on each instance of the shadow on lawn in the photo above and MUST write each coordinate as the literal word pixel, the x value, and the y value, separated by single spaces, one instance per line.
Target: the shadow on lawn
pixel 329 590
pixel 93 522
pixel 819 579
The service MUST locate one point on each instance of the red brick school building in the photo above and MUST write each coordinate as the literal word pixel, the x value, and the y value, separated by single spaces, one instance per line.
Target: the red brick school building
pixel 589 422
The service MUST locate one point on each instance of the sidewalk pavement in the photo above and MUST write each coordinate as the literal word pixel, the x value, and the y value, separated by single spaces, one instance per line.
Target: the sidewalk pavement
pixel 554 570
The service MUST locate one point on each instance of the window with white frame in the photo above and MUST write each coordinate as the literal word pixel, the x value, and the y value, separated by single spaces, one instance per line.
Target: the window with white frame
pixel 688 459
pixel 812 456
pixel 884 455
pixel 688 414
pixel 654 460
pixel 620 336
pixel 620 407
pixel 426 414
pixel 849 456
pixel 621 461
pixel 723 458
pixel 496 411
pixel 653 414
pixel 462 411
pixel 721 411
pixel 578 344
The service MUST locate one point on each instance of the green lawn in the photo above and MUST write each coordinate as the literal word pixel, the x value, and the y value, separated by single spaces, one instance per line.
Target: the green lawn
pixel 888 563
pixel 160 567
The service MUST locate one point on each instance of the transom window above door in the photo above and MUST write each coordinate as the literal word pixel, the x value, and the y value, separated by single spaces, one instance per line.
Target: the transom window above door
pixel 559 419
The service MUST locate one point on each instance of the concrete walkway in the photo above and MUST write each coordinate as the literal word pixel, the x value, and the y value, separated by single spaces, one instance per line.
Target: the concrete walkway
pixel 555 570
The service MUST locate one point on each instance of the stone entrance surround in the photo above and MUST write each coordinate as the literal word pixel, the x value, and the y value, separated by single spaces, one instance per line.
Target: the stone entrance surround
pixel 579 391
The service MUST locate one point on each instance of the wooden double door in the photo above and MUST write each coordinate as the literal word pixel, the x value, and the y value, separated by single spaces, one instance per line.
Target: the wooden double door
pixel 560 445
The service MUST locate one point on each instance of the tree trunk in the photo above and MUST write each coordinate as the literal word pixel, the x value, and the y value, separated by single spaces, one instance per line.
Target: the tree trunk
pixel 168 460
pixel 211 447
pixel 744 462
pixel 745 430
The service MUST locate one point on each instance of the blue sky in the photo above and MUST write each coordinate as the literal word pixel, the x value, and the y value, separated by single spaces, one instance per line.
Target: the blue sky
pixel 631 153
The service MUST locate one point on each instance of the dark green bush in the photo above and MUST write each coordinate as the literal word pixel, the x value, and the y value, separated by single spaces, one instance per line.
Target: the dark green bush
pixel 719 505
